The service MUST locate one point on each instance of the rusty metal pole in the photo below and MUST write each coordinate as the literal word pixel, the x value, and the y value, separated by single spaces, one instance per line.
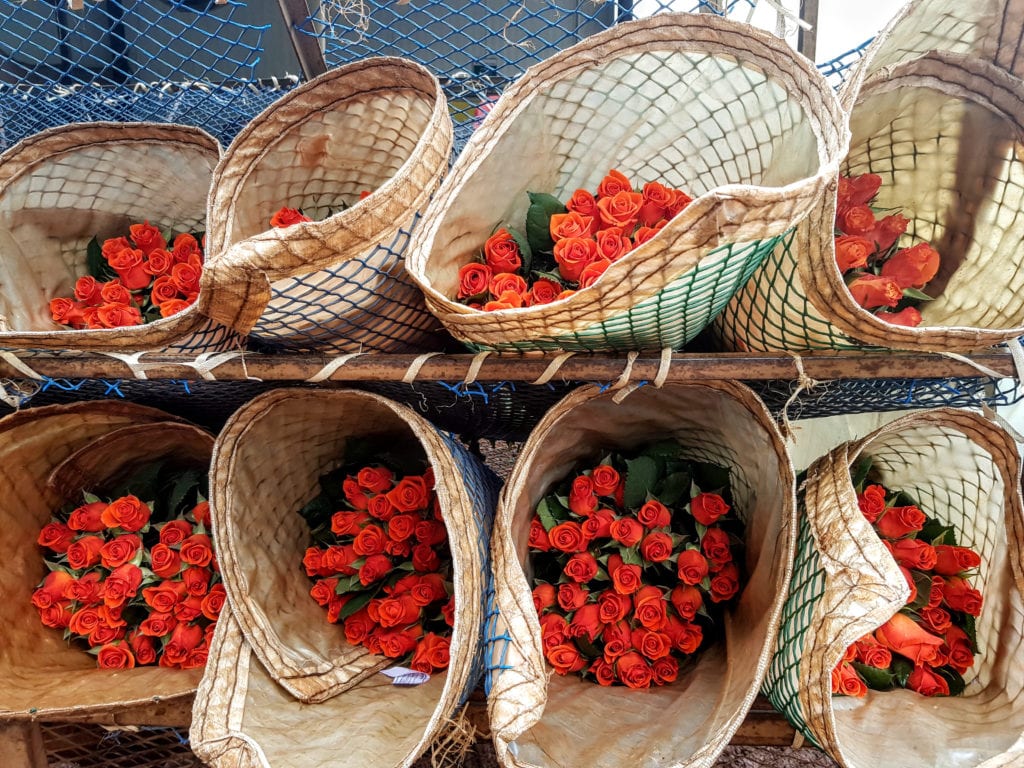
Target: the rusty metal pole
pixel 307 48
pixel 807 41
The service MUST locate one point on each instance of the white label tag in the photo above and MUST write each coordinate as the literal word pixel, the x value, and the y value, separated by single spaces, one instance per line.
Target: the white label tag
pixel 404 676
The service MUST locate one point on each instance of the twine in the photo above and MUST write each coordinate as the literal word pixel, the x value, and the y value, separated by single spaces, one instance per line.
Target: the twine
pixel 328 370
pixel 804 382
pixel 414 367
pixel 474 367
pixel 553 367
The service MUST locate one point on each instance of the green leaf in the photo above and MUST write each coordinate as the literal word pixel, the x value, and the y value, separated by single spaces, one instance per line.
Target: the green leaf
pixel 355 604
pixel 666 449
pixel 859 473
pixel 317 512
pixel 601 575
pixel 90 498
pixel 538 220
pixel 525 252
pixel 551 513
pixel 935 532
pixel 185 483
pixel 955 680
pixel 348 584
pixel 586 647
pixel 971 630
pixel 630 556
pixel 913 293
pixel 95 263
pixel 553 276
pixel 876 679
pixel 641 476
pixel 710 477
pixel 901 669
pixel 673 488
pixel 923 582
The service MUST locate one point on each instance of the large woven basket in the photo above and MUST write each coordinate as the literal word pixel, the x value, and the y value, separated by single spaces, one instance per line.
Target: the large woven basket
pixel 266 467
pixel 48 456
pixel 729 114
pixel 540 719
pixel 379 126
pixel 964 471
pixel 943 128
pixel 64 186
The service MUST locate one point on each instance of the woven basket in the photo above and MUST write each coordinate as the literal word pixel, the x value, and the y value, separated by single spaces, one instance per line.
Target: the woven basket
pixel 266 466
pixel 378 125
pixel 540 719
pixel 62 187
pixel 943 129
pixel 48 456
pixel 964 471
pixel 717 108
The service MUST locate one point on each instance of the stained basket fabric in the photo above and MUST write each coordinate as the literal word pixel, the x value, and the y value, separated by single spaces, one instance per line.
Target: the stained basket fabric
pixel 267 464
pixel 542 719
pixel 936 110
pixel 64 186
pixel 964 471
pixel 48 456
pixel 728 114
pixel 377 126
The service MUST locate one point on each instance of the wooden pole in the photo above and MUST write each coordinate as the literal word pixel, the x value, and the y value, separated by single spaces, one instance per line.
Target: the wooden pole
pixel 307 47
pixel 807 41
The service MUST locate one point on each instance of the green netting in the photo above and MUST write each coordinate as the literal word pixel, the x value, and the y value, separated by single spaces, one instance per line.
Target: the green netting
pixel 672 317
pixel 782 682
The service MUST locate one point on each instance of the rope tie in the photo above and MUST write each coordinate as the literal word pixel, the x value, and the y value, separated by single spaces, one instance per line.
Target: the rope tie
pixel 474 367
pixel 133 361
pixel 625 389
pixel 328 370
pixel 553 367
pixel 414 367
pixel 16 393
pixel 663 368
pixel 206 362
pixel 978 366
pixel 804 383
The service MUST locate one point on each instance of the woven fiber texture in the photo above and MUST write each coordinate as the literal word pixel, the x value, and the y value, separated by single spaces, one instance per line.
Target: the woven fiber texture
pixel 964 471
pixel 542 719
pixel 943 128
pixel 62 187
pixel 266 467
pixel 727 113
pixel 48 456
pixel 379 126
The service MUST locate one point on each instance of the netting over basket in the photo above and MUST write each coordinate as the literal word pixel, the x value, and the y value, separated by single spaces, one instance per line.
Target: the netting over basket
pixel 61 188
pixel 378 126
pixel 48 456
pixel 267 465
pixel 729 114
pixel 542 719
pixel 964 471
pixel 943 129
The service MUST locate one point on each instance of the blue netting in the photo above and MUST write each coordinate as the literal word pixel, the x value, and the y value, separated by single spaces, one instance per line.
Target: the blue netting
pixel 837 69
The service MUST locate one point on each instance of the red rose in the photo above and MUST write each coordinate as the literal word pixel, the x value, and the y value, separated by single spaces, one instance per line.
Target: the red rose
pixel 872 654
pixel 626 579
pixel 87 290
pixel 147 237
pixel 937 593
pixel 581 567
pixel 473 280
pixel 127 513
pixel 358 626
pixel 544 292
pixel 643 234
pixel 85 552
pixel 927 683
pixel 913 554
pixel 960 596
pixel 312 561
pixel 402 527
pixel 381 507
pixel 55 536
pixel 398 611
pixel 213 602
pixel 613 607
pixel 369 541
pixel 56 615
pixel 189 609
pixel 565 659
pixel 287 217
pixel 197 580
pixel 117 316
pixel 691 566
pixel 433 651
pixel 909 317
pixel 88 518
pixel 621 210
pixel 872 502
pixel 856 220
pixel 432 532
pixel 158 263
pixel 122 583
pixel 633 670
pixel 897 522
pixel 582 500
pixel 706 508
pixel 627 531
pixel 582 202
pixel 618 640
pixel 872 291
pixel 585 622
pixel 395 643
pixel 654 514
pixel 349 523
pixel 937 620
pixel 117 656
pixel 68 312
pixel 144 649
pixel 430 588
pixel 858 190
pixel 54 587
pixel 506 300
pixel 163 597
pixel 909 578
pixel 505 282
pixel 425 559
pixel 571 596
pixel 502 252
pixel 715 546
pixel 847 682
pixel 543 597
pixel 603 672
pixel 598 525
pixel 164 290
pixel 573 254
pixel 888 231
pixel 725 584
pixel 410 495
pixel 84 621
pixel 612 184
pixel 902 635
pixel 912 267
pixel 553 630
pixel 354 494
pixel 567 537
pixel 852 252
pixel 184 638
pixel 538 536
pixel 656 547
pixel 653 645
pixel 604 480
pixel 571 225
pixel 376 568
pixel 592 271
pixel 665 670
pixel 961 657
pixel 687 600
pixel 175 532
pixel 120 550
pixel 950 561
pixel 650 607
pixel 86 590
pixel 197 549
pixel 158 625
pixel 130 266
pixel 375 479
pixel 612 244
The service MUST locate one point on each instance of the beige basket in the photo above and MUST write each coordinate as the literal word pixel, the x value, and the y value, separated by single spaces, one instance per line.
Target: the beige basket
pixel 943 128
pixel 62 187
pixel 266 467
pixel 378 125
pixel 729 114
pixel 965 472
pixel 540 719
pixel 48 456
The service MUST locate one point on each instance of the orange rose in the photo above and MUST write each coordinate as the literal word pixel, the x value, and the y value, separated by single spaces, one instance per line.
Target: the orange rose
pixel 114 292
pixel 85 552
pixel 897 522
pixel 432 654
pixel 197 549
pixel 543 597
pixel 369 541
pixel 553 630
pixel 376 568
pixel 114 245
pixel 502 253
pixel 960 596
pixel 872 502
pixel 122 583
pixel 163 597
pixel 643 234
pixel 847 682
pixel 506 281
pixel 410 495
pixel 862 188
pixel 627 531
pixel 287 217
pixel 572 224
pixel 538 536
pixel 622 210
pixel 913 554
pixel 175 532
pixel 474 279
pixel 612 244
pixel 87 290
pixel 650 607
pixel 937 620
pixel 583 203
pixel 612 184
pixel 565 659
pixel 143 647
pixel 592 272
pixel 186 277
pixel 117 656
pixel 912 267
pixel 158 625
pixel 950 561
pixel 715 545
pixel 626 579
pixel 613 607
pixel 679 202
pixel 323 591
pixel 164 561
pixel 904 636
pixel 691 567
pixel 651 643
pixel 173 307
pixel 568 537
pixel 585 622
pixel 633 670
pixel 158 263
pixel 706 508
pixel 67 312
pixel 856 220
pixel 564 295
pixel 871 291
pixel 665 670
pixel 603 672
pixel 196 580
pixel 617 640
pixel 55 536
pixel 911 584
pixel 725 584
pixel 120 550
pixel 184 246
pixel 130 267
pixel 581 567
pixel 129 513
pixel 544 292
pixel 598 525
pixel 871 653
pixel 582 500
pixel 604 480
pixel 852 252
pixel 398 611
pixel 888 231
pixel 927 683
pixel 375 479
pixel 507 300
pixel 908 317
pixel 961 657
pixel 54 587
pixel 147 237
pixel 118 316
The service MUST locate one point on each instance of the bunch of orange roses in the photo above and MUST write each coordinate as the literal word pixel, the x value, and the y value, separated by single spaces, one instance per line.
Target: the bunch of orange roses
pixel 136 591
pixel 566 247
pixel 633 564
pixel 882 277
pixel 133 280
pixel 382 565
pixel 930 643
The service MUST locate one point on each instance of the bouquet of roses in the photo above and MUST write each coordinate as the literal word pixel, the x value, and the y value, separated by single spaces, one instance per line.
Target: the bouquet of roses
pixel 381 562
pixel 882 277
pixel 564 247
pixel 133 280
pixel 137 581
pixel 634 559
pixel 930 643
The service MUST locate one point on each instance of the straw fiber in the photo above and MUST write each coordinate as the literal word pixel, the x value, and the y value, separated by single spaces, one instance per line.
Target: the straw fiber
pixel 255 705
pixel 964 471
pixel 542 719
pixel 62 187
pixel 729 114
pixel 943 128
pixel 338 282
pixel 48 456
